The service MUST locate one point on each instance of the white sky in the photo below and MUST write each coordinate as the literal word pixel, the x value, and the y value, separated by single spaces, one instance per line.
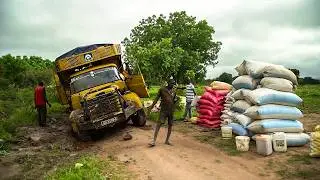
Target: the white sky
pixel 285 32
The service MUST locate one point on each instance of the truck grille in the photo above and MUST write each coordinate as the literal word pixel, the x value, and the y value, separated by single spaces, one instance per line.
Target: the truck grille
pixel 104 106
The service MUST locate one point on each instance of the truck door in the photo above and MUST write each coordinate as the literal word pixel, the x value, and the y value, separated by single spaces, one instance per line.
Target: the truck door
pixel 136 84
pixel 61 93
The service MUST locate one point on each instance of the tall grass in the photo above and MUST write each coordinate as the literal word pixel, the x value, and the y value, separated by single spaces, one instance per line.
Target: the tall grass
pixel 17 109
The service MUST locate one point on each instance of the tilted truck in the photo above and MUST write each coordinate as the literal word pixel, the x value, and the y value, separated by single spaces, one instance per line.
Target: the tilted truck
pixel 100 92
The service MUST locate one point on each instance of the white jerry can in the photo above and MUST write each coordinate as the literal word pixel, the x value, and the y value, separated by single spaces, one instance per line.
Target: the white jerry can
pixel 279 142
pixel 264 145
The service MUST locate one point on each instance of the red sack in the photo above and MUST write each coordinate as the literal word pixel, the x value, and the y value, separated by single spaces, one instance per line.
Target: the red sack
pixel 209 89
pixel 208 96
pixel 205 102
pixel 219 107
pixel 208 119
pixel 211 108
pixel 204 117
pixel 221 92
pixel 205 112
pixel 212 122
pixel 209 124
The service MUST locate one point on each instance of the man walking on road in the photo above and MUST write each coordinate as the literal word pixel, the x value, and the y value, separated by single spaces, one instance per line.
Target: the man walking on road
pixel 40 101
pixel 168 99
pixel 190 94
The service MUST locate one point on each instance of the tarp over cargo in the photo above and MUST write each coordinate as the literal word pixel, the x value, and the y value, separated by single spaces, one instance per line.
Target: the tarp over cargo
pixel 81 49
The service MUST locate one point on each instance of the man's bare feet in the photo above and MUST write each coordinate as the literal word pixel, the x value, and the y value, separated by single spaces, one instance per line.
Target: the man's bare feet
pixel 152 144
pixel 168 143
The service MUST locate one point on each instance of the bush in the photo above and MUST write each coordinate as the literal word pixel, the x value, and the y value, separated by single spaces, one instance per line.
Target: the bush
pixel 56 108
pixel 17 109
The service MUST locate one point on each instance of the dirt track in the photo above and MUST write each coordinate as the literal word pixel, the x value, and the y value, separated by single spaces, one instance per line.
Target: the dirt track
pixel 186 159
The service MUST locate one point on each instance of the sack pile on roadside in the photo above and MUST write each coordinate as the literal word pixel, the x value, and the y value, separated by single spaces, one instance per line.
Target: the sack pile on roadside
pixel 210 105
pixel 263 102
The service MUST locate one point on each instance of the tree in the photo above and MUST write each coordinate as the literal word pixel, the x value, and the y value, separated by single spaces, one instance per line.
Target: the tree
pixel 24 71
pixel 177 45
pixel 225 77
pixel 310 80
pixel 296 72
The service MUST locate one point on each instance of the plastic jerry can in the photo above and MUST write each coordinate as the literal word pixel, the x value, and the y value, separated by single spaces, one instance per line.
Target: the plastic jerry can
pixel 279 142
pixel 242 143
pixel 264 145
pixel 226 132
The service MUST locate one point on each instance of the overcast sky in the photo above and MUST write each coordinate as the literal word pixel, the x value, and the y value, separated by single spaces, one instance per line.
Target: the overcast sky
pixel 285 32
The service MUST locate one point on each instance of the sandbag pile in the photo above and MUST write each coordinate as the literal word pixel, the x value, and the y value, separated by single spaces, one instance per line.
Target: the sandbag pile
pixel 263 102
pixel 211 104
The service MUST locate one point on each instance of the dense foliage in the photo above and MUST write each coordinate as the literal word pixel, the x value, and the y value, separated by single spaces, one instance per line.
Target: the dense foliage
pixel 177 45
pixel 225 77
pixel 24 71
pixel 18 77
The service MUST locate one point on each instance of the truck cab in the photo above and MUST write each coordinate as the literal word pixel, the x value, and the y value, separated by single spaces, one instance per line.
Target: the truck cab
pixel 99 91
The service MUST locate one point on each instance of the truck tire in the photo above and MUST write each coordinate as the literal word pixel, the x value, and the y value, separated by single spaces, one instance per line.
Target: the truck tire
pixel 139 119
pixel 81 135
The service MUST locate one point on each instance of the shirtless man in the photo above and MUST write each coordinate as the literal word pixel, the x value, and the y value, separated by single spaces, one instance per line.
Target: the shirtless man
pixel 168 99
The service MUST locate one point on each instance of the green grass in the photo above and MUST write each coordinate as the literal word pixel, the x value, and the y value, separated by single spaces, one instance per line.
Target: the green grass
pixel 153 91
pixel 305 173
pixel 300 159
pixel 17 109
pixel 297 166
pixel 298 173
pixel 93 168
pixel 311 98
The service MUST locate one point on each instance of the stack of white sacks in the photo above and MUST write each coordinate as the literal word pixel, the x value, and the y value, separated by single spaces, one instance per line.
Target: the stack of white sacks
pixel 263 102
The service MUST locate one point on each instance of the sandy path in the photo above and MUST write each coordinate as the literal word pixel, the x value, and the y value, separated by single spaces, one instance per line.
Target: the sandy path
pixel 186 159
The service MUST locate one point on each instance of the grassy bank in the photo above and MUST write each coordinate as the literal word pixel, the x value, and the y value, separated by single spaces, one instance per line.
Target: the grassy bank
pixel 311 98
pixel 17 109
pixel 91 167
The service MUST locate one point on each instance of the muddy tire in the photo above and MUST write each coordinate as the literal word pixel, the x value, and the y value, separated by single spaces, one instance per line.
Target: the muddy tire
pixel 139 119
pixel 122 125
pixel 84 136
pixel 81 135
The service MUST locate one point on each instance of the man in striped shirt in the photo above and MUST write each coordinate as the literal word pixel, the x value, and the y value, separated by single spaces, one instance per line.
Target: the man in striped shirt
pixel 190 94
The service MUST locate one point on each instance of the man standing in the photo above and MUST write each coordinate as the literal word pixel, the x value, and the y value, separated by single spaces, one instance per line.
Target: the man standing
pixel 40 101
pixel 168 99
pixel 190 94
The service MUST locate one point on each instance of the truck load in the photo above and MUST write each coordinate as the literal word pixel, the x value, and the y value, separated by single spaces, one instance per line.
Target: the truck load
pixel 100 92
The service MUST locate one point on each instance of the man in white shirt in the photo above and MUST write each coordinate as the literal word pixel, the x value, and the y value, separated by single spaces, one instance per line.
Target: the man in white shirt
pixel 190 95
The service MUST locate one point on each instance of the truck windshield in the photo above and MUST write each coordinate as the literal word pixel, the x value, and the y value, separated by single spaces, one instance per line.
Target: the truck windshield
pixel 94 78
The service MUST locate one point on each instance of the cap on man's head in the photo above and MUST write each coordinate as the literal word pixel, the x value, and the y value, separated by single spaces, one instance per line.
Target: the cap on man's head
pixel 171 81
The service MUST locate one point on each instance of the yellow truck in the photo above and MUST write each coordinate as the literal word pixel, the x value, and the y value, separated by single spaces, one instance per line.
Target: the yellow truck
pixel 99 90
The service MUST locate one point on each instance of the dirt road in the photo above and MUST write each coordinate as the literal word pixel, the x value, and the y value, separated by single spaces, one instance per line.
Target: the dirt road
pixel 186 159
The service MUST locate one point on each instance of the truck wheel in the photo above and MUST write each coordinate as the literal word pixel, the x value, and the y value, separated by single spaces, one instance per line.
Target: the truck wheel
pixel 140 118
pixel 81 135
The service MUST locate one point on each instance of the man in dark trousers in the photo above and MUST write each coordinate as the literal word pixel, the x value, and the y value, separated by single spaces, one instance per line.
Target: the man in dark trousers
pixel 190 95
pixel 40 101
pixel 168 99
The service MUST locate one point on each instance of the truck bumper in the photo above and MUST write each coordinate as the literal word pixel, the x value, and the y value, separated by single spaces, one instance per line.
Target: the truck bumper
pixel 102 123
